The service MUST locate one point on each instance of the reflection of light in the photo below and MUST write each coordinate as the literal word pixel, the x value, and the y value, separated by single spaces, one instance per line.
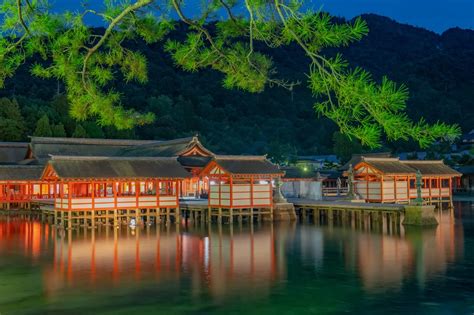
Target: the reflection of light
pixel 212 182
pixel 206 253
pixel 263 182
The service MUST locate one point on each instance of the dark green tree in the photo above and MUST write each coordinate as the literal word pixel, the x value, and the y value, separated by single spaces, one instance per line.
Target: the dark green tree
pixel 93 130
pixel 58 130
pixel 344 147
pixel 43 128
pixel 12 123
pixel 80 132
pixel 86 60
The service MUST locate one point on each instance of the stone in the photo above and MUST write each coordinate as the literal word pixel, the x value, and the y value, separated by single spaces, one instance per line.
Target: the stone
pixel 284 212
pixel 419 215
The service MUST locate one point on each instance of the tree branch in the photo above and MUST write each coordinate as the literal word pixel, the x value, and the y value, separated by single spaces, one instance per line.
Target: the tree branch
pixel 138 5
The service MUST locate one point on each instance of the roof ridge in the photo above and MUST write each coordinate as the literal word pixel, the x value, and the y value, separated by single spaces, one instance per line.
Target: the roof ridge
pixel 42 140
pixel 20 166
pixel 370 158
pixel 12 144
pixel 241 157
pixel 422 161
pixel 167 142
pixel 113 158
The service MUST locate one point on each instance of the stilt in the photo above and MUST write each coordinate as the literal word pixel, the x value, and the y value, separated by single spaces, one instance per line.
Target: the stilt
pixel 177 215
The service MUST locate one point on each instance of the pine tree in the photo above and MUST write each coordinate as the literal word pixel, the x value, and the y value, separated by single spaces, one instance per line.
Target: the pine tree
pixel 43 128
pixel 58 130
pixel 12 123
pixel 90 62
pixel 80 132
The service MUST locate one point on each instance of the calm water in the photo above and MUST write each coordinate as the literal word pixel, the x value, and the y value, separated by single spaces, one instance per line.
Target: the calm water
pixel 274 269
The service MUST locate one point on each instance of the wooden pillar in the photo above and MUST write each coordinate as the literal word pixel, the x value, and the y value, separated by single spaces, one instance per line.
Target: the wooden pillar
pixel 69 192
pixel 408 189
pixel 395 188
pixel 451 192
pixel 178 211
pixel 93 194
pixel 381 189
pixel 367 182
pixel 429 185
pixel 439 189
pixel 137 193
pixel 231 211
pixel 251 196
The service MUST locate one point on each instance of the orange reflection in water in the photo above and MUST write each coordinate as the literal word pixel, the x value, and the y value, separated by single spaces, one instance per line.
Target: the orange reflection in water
pixel 220 260
pixel 30 236
pixel 224 261
pixel 384 261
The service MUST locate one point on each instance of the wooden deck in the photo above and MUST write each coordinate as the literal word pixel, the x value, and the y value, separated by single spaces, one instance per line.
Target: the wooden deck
pixel 344 205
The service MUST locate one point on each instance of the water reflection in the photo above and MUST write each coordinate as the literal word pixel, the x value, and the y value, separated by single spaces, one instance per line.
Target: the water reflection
pixel 223 261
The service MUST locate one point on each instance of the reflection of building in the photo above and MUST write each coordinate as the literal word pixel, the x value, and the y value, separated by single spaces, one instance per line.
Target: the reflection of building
pixel 385 261
pixel 31 237
pixel 220 263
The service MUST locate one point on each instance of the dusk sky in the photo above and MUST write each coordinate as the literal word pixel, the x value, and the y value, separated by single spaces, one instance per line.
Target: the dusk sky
pixel 436 15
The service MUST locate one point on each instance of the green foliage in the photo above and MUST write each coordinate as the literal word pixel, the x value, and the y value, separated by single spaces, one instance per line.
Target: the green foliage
pixel 345 147
pixel 91 64
pixel 43 127
pixel 80 132
pixel 12 123
pixel 58 131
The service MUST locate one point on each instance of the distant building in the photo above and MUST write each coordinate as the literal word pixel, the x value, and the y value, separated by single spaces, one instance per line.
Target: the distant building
pixel 12 152
pixel 467 140
pixel 392 180
pixel 316 162
pixel 357 158
pixel 412 155
pixel 466 184
pixel 301 182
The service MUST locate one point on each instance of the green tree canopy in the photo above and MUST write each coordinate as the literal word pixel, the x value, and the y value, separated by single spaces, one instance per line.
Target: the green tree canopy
pixel 80 132
pixel 43 128
pixel 90 62
pixel 344 147
pixel 58 130
pixel 12 123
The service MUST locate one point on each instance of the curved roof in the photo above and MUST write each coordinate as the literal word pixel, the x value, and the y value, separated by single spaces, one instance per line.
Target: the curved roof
pixel 434 168
pixel 117 167
pixel 42 147
pixel 389 166
pixel 12 152
pixel 247 165
pixel 168 148
pixel 20 172
pixel 393 166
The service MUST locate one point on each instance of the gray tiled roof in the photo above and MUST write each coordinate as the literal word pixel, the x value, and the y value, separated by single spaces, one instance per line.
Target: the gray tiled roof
pixel 117 167
pixel 20 172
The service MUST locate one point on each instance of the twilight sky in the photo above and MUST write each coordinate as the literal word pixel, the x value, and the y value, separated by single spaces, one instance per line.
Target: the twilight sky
pixel 436 15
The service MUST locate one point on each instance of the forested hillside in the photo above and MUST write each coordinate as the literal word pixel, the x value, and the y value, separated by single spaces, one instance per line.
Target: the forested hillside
pixel 438 69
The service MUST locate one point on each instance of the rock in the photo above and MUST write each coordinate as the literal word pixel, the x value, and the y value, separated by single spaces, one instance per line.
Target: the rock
pixel 284 212
pixel 419 215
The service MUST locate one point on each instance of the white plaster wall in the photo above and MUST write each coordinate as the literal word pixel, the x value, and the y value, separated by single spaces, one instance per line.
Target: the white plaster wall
pixel 302 189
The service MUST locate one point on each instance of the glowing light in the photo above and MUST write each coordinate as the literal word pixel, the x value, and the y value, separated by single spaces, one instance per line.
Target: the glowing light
pixel 212 182
pixel 263 182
